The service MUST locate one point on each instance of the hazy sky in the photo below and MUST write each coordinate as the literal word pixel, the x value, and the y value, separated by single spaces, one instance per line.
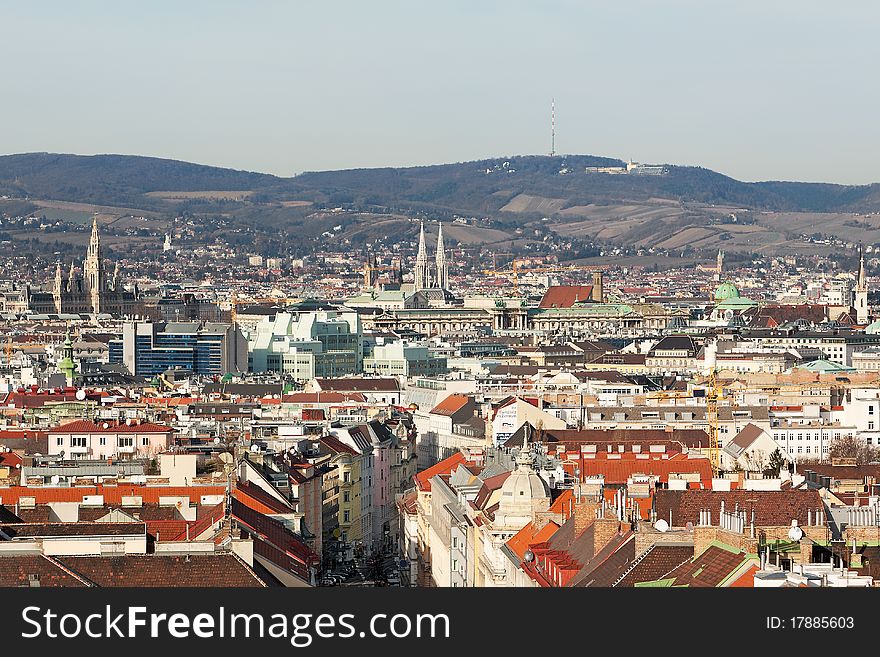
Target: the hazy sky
pixel 757 90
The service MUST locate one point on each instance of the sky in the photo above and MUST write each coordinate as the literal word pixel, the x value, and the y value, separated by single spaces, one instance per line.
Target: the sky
pixel 764 90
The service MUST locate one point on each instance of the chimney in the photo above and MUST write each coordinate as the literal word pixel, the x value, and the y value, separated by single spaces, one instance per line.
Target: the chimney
pixel 584 515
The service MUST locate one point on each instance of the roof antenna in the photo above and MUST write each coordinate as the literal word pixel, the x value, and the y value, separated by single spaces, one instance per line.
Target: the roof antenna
pixel 552 127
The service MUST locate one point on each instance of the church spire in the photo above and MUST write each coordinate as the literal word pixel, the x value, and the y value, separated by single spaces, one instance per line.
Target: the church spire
pixel 860 297
pixel 70 277
pixel 440 258
pixel 862 278
pixel 421 270
pixel 94 280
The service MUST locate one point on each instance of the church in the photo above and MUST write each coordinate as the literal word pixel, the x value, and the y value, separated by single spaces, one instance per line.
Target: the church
pixel 91 292
pixel 433 282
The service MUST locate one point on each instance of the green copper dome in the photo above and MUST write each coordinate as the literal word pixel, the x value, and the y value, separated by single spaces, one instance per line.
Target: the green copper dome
pixel 726 291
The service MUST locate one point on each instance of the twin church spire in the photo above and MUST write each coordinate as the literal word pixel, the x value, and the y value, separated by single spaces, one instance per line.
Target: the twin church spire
pixel 426 276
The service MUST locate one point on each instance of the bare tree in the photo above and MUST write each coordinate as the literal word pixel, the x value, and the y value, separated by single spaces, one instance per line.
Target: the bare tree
pixel 853 448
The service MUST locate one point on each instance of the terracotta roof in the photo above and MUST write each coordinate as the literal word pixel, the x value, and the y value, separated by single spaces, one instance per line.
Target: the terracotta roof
pixel 565 296
pixel 10 459
pixel 655 563
pixel 446 466
pixel 451 405
pixel 528 535
pixel 19 569
pixel 257 499
pixel 774 315
pixel 709 569
pixel 687 437
pixel 772 508
pixel 85 426
pixel 189 571
pixel 563 503
pixel 618 471
pixel 334 444
pixel 112 494
pixel 856 472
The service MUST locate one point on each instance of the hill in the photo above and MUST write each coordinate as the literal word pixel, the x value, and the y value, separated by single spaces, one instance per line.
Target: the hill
pixel 524 197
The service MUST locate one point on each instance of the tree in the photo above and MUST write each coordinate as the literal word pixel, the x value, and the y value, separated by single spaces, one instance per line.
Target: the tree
pixel 777 461
pixel 853 448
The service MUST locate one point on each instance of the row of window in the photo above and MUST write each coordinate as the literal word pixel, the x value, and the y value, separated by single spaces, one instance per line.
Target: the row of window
pixel 82 441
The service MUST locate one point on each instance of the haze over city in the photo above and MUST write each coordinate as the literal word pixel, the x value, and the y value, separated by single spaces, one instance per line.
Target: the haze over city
pixel 755 90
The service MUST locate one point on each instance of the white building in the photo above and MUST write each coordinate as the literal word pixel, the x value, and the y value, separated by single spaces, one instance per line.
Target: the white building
pixel 307 345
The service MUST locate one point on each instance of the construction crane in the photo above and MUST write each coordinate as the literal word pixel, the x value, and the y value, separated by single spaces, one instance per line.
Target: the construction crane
pixel 712 395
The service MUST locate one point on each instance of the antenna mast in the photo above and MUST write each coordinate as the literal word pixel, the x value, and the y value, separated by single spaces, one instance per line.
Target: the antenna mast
pixel 552 127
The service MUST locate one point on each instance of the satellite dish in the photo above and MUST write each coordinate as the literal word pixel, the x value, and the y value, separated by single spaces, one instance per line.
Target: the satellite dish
pixel 661 525
pixel 795 533
pixel 217 440
pixel 80 394
pixel 529 556
pixel 105 426
pixel 255 448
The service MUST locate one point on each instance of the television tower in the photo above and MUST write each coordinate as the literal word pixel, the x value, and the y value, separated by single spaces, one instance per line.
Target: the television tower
pixel 552 127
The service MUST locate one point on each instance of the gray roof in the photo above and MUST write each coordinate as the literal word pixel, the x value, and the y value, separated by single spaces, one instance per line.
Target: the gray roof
pixel 744 439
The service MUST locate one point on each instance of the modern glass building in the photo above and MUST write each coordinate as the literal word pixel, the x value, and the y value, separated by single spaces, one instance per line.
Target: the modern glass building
pixel 201 348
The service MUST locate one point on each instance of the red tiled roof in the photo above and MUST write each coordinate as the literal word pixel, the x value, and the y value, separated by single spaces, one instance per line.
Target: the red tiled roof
pixel 446 466
pixel 565 296
pixel 709 569
pixel 618 471
pixel 17 570
pixel 10 459
pixel 772 508
pixel 85 426
pixel 528 535
pixel 136 570
pixel 257 499
pixel 563 503
pixel 112 494
pixel 656 562
pixel 451 405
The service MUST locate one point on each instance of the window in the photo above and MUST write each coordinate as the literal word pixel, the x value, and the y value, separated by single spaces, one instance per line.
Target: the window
pixel 78 441
pixel 145 441
pixel 126 441
pixel 870 426
pixel 345 496
pixel 346 516
pixel 102 440
pixel 59 440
